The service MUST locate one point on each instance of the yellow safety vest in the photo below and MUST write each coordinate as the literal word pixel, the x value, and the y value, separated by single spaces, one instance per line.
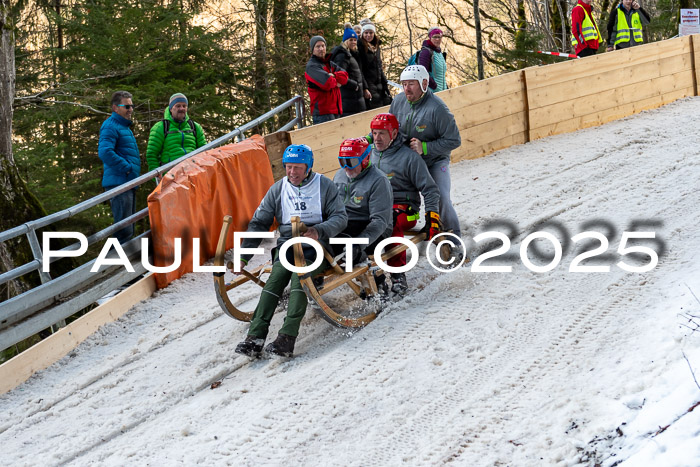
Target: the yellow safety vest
pixel 623 30
pixel 588 28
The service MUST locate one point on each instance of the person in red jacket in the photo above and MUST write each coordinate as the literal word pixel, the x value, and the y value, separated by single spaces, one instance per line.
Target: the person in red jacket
pixel 324 78
pixel 584 30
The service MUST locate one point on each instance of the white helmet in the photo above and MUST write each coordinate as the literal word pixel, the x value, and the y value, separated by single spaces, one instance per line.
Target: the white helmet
pixel 417 72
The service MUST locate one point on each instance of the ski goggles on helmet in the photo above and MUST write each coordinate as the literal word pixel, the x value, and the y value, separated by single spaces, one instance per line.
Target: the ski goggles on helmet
pixel 349 162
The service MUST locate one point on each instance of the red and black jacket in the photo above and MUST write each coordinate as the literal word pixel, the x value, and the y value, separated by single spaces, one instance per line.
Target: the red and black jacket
pixel 323 88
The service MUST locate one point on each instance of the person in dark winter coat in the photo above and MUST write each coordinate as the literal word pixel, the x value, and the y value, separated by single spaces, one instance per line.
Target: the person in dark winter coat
pixel 346 56
pixel 122 162
pixel 324 78
pixel 434 60
pixel 372 68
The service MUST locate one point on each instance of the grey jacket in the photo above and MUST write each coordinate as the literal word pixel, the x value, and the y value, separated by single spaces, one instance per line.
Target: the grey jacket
pixel 334 217
pixel 367 197
pixel 408 176
pixel 429 120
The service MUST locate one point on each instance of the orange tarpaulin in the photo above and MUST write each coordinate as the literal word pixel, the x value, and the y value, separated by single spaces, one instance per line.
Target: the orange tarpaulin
pixel 193 198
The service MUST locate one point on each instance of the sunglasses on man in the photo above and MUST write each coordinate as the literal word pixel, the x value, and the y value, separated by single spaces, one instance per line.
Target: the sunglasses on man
pixel 127 106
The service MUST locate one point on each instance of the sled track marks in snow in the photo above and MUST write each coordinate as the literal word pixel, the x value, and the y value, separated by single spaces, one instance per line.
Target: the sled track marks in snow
pixel 123 363
pixel 125 429
pixel 109 392
pixel 531 373
pixel 309 421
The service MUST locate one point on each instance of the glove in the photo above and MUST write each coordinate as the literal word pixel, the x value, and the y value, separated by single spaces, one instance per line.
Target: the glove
pixel 358 254
pixel 432 224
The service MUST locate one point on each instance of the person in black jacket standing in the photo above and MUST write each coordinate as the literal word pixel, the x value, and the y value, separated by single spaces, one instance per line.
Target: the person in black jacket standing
pixel 347 57
pixel 372 68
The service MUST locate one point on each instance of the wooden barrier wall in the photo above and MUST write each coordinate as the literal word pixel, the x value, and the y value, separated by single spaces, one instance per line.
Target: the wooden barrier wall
pixel 569 96
pixel 325 138
pixel 529 104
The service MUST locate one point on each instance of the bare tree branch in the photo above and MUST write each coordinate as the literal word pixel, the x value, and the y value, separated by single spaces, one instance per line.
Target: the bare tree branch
pixel 691 370
pixel 22 101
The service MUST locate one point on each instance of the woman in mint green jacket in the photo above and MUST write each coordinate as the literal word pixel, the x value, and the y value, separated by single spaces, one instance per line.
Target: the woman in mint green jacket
pixel 174 136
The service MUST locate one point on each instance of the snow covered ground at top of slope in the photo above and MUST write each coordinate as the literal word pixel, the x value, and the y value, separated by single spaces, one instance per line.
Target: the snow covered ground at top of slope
pixel 511 368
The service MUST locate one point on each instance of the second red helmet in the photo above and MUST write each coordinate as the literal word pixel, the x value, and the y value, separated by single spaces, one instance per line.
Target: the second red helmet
pixel 384 122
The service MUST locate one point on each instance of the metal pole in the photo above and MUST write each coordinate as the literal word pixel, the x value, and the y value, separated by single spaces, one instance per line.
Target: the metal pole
pixel 36 251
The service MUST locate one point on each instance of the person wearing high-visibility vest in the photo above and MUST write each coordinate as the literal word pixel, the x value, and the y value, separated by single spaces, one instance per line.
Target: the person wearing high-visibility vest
pixel 625 25
pixel 584 30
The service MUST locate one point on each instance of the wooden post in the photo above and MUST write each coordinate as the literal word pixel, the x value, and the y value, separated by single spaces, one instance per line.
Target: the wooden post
pixel 526 105
pixel 692 64
pixel 275 144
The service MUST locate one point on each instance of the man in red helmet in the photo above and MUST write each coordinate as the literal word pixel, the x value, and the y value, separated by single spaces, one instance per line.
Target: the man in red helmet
pixel 409 179
pixel 367 195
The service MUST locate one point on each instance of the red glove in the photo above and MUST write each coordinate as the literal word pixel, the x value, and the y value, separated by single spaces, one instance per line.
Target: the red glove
pixel 432 224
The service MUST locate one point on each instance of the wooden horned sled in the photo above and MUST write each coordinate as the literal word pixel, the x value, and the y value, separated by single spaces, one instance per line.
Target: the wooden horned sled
pixel 357 302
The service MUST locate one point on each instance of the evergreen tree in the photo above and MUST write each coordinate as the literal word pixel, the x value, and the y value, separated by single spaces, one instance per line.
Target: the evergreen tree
pixel 148 48
pixel 17 204
pixel 522 54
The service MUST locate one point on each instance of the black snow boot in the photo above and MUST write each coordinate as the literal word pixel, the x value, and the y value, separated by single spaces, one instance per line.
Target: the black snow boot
pixel 282 346
pixel 252 346
pixel 399 285
pixel 382 286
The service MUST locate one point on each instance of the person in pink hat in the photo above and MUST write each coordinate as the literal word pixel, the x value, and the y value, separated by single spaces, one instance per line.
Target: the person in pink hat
pixel 435 63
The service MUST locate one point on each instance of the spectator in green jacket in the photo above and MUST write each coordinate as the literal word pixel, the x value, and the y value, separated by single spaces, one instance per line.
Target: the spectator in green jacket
pixel 174 136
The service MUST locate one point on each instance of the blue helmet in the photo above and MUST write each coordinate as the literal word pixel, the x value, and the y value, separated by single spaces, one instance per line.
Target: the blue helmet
pixel 299 154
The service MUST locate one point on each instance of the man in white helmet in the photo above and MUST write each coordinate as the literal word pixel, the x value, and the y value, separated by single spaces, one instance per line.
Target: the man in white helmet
pixel 427 126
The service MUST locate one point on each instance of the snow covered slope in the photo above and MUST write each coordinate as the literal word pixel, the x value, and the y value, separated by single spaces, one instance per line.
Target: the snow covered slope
pixel 519 368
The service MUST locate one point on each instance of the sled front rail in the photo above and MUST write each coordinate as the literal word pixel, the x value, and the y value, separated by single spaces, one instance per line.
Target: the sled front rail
pixel 361 281
pixel 221 288
pixel 366 291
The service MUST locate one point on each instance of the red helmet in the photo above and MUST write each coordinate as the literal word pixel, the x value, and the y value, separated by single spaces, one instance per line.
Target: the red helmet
pixel 354 152
pixel 384 122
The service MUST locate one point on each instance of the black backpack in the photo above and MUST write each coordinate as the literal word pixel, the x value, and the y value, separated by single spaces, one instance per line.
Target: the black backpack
pixel 166 127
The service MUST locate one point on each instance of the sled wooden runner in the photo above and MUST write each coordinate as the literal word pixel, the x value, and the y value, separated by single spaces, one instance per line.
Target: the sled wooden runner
pixel 363 298
pixel 366 291
pixel 221 287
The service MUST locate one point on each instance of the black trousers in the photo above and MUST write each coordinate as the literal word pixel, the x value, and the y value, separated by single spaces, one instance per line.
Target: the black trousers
pixel 354 229
pixel 587 52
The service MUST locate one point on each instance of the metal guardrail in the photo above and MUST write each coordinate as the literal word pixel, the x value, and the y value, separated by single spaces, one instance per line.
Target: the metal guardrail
pixel 58 298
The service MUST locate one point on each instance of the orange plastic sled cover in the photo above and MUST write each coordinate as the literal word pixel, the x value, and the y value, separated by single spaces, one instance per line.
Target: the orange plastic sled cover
pixel 192 199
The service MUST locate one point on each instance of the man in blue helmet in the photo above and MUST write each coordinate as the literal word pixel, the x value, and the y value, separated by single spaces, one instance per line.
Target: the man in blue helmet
pixel 314 198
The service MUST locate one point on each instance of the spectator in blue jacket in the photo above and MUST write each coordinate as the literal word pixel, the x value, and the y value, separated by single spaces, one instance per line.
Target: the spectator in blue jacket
pixel 120 155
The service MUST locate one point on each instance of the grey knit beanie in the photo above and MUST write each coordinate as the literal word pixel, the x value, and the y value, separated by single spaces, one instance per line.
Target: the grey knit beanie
pixel 313 41
pixel 175 98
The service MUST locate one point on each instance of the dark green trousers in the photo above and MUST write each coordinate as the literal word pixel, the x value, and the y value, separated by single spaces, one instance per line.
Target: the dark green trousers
pixel 270 297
